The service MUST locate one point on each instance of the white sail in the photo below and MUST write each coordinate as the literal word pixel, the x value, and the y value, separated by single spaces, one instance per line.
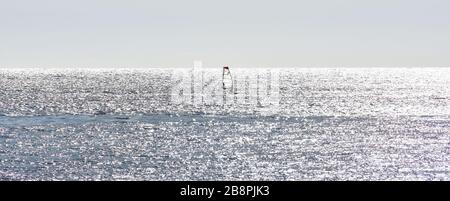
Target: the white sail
pixel 227 79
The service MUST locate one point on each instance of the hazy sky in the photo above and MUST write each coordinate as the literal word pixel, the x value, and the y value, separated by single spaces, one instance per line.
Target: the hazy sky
pixel 169 33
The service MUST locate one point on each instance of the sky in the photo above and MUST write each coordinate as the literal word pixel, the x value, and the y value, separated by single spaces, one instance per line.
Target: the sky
pixel 253 33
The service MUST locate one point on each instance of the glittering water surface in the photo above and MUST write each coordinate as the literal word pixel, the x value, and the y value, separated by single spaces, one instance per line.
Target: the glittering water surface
pixel 121 124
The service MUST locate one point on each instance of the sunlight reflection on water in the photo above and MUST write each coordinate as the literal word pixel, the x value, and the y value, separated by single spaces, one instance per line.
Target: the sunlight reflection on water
pixel 120 124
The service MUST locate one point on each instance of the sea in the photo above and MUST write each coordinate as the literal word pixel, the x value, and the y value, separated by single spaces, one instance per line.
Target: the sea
pixel 165 124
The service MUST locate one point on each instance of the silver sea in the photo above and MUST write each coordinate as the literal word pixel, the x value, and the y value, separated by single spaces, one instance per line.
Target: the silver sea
pixel 123 124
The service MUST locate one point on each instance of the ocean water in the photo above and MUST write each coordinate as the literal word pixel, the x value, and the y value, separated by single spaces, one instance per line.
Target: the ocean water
pixel 320 124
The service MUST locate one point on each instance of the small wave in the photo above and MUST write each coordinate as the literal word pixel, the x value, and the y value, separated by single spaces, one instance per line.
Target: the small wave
pixel 122 117
pixel 108 92
pixel 439 98
pixel 99 113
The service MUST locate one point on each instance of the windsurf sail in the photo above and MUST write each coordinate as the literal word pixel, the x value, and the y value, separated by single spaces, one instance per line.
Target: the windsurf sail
pixel 227 79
